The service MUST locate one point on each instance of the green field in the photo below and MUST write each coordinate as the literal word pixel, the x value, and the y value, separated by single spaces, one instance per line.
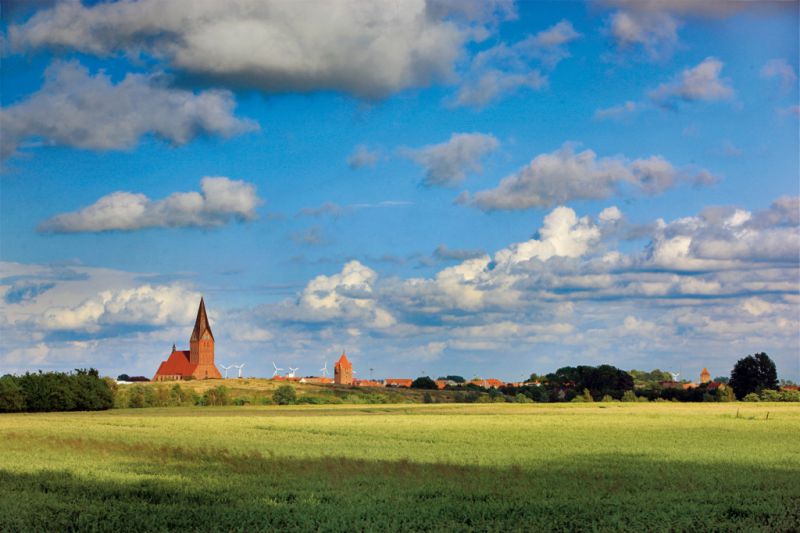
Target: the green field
pixel 498 467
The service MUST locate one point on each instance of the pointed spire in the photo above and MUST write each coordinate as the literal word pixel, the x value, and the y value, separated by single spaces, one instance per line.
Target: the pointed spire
pixel 173 347
pixel 201 324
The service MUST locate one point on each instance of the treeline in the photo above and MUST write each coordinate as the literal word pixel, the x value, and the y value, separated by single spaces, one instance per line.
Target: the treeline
pixel 81 390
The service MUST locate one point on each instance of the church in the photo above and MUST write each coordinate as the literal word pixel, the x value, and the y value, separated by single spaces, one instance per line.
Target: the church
pixel 198 361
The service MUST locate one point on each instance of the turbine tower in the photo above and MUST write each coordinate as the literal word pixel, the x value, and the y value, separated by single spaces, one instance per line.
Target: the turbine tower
pixel 324 369
pixel 226 368
pixel 277 370
pixel 292 372
pixel 240 367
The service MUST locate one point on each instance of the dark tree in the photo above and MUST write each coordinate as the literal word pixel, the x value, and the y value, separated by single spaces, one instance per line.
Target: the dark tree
pixel 424 382
pixel 754 373
pixel 123 377
pixel 456 379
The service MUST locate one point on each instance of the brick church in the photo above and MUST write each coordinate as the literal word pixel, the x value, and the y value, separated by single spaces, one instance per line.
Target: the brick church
pixel 198 361
pixel 343 371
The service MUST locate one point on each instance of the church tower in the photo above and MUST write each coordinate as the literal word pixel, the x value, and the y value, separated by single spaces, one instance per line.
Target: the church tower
pixel 201 346
pixel 343 371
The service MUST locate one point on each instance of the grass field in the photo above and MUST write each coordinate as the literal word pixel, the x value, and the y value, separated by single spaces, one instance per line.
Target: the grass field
pixel 495 467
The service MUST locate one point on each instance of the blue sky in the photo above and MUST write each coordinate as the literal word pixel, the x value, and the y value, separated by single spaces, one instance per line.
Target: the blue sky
pixel 483 189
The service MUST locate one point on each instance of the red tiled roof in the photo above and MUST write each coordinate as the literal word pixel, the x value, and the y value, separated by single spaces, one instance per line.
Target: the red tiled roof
pixel 399 382
pixel 177 364
pixel 343 362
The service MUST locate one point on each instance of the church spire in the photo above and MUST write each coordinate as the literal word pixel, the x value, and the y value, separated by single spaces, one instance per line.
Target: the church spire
pixel 201 324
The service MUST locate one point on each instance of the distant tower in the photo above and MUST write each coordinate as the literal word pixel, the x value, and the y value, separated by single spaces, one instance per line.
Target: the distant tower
pixel 201 346
pixel 343 371
pixel 705 377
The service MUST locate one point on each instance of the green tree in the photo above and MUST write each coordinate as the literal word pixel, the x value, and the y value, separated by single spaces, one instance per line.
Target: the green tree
pixel 587 396
pixel 284 395
pixel 12 399
pixel 725 394
pixel 753 373
pixel 424 382
pixel 219 395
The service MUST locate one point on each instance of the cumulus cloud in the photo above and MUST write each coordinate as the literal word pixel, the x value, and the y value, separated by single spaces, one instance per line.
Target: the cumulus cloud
pixel 565 175
pixel 365 48
pixel 146 305
pixel 727 237
pixel 362 157
pixel 345 296
pixel 503 69
pixel 220 201
pixel 699 83
pixel 74 108
pixel 447 163
pixel 781 70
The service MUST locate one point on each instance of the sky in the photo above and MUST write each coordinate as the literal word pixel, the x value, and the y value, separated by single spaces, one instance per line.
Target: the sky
pixel 445 187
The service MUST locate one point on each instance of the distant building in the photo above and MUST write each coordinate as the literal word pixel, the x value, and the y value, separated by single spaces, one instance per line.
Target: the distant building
pixel 198 361
pixel 488 383
pixel 367 383
pixel 317 380
pixel 343 371
pixel 705 376
pixel 398 382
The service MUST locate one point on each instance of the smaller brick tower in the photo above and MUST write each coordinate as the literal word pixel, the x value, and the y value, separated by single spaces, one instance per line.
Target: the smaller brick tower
pixel 705 376
pixel 343 371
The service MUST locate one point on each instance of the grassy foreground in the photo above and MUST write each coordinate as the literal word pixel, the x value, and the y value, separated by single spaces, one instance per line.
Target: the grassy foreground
pixel 496 467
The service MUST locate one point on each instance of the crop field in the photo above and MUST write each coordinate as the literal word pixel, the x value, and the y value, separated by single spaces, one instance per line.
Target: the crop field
pixel 487 467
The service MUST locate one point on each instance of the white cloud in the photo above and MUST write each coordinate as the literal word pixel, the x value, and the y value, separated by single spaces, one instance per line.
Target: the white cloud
pixel 447 163
pixel 655 32
pixel 220 201
pixel 503 69
pixel 366 48
pixel 565 175
pixel 362 157
pixel 782 70
pixel 346 296
pixel 616 112
pixel 74 108
pixel 700 83
pixel 145 305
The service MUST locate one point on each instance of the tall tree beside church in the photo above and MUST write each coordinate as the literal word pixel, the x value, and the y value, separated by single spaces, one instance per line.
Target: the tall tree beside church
pixel 753 373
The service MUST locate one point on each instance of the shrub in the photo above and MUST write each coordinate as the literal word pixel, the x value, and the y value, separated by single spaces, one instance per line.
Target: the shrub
pixel 752 397
pixel 629 396
pixel 284 395
pixel 607 398
pixel 427 398
pixel 587 396
pixel 790 396
pixel 219 395
pixel 768 395
pixel 521 398
pixel 725 394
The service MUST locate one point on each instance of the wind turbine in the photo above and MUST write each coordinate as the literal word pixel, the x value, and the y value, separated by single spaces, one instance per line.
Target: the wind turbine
pixel 292 372
pixel 277 370
pixel 240 367
pixel 225 368
pixel 675 375
pixel 324 369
